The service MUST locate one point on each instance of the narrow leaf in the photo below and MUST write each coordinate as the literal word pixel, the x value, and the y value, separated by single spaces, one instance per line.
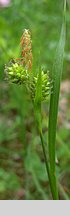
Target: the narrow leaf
pixel 37 102
pixel 38 94
pixel 54 99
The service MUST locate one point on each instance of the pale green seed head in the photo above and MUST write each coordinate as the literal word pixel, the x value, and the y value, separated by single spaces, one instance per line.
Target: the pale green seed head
pixel 15 73
pixel 46 86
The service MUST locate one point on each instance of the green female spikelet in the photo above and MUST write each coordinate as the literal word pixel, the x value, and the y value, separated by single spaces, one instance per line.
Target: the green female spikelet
pixel 15 73
pixel 46 85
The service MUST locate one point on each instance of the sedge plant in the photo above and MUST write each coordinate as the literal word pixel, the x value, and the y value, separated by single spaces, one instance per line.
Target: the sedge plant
pixel 40 86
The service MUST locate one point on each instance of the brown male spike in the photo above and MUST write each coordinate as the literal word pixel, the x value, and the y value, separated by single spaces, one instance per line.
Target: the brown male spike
pixel 26 50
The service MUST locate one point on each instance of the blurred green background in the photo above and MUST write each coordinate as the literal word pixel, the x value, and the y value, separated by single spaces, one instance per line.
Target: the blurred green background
pixel 22 169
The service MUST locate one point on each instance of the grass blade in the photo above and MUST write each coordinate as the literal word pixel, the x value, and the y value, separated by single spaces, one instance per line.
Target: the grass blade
pixel 54 99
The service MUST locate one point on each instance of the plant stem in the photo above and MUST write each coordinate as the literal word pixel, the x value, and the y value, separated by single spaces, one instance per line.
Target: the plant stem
pixel 53 189
pixel 37 109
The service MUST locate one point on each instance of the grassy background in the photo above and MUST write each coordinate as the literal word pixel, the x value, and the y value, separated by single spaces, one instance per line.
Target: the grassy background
pixel 22 168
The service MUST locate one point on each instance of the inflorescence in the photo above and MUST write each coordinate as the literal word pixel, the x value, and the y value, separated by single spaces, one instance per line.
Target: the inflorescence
pixel 20 70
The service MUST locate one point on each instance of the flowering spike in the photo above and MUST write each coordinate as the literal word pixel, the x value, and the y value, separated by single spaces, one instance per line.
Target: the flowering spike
pixel 26 50
pixel 46 86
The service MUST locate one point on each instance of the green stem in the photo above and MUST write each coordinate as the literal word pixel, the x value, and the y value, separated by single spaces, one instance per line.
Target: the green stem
pixel 52 180
pixel 52 187
pixel 37 109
